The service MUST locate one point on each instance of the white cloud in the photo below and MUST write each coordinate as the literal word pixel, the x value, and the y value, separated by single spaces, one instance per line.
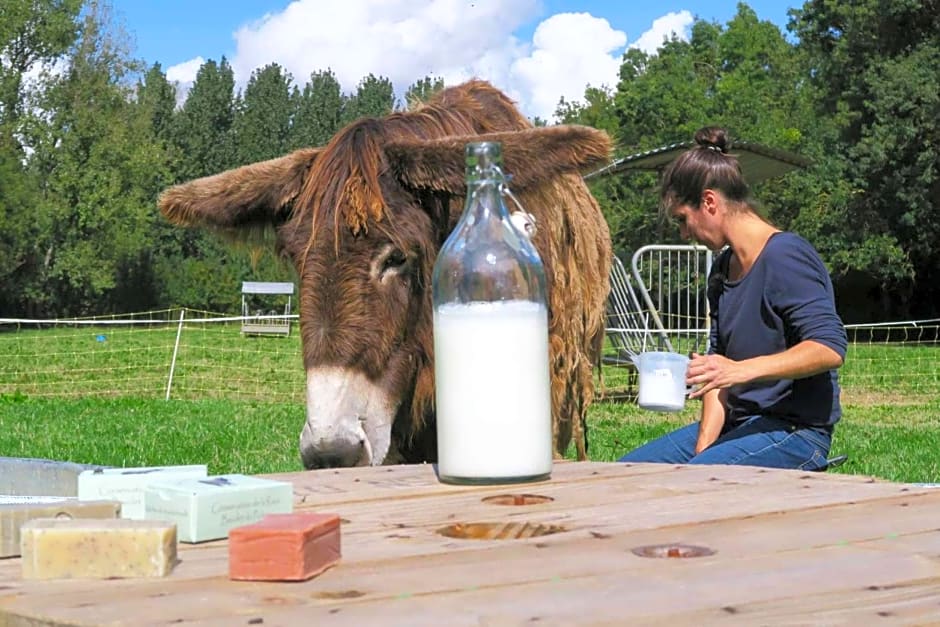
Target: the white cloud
pixel 184 74
pixel 570 51
pixel 406 40
pixel 403 40
pixel 678 23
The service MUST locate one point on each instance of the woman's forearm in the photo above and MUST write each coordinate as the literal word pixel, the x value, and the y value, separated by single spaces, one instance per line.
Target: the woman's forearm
pixel 803 360
pixel 713 372
pixel 712 421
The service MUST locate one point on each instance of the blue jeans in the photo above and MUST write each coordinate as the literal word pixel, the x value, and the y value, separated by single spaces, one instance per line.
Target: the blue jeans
pixel 757 441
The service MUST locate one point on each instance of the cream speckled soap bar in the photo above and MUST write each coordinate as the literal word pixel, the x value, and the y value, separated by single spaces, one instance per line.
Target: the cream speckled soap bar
pixel 13 515
pixel 96 549
pixel 207 509
pixel 127 484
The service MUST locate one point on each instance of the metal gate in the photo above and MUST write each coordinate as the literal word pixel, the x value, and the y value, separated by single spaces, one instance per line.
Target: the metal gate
pixel 671 280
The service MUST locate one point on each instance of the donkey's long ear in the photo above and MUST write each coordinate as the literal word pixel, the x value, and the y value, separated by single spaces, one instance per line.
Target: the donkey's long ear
pixel 530 156
pixel 246 198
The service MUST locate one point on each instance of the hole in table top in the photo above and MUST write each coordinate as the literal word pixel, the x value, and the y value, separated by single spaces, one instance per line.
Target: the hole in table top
pixel 517 499
pixel 498 531
pixel 672 550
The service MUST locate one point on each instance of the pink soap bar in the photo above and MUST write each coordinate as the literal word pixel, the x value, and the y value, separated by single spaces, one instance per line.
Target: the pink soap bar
pixel 284 547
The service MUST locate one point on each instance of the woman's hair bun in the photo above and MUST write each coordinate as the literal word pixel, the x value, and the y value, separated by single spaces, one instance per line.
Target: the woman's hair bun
pixel 714 138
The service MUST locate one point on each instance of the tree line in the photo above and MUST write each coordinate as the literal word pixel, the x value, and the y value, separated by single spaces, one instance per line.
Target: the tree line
pixel 853 87
pixel 89 137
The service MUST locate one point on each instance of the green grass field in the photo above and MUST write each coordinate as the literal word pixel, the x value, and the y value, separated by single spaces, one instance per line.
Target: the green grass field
pixel 887 441
pixel 96 395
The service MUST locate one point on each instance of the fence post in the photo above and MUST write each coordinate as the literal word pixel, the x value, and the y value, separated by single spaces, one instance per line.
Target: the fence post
pixel 176 348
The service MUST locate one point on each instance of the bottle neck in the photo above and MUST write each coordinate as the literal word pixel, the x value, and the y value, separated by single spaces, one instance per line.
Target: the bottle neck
pixel 485 187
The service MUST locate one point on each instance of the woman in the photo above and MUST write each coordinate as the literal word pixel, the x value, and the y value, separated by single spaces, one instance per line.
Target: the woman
pixel 769 383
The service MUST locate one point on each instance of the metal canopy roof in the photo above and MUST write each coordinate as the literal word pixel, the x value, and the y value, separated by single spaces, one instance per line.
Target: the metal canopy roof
pixel 261 287
pixel 758 162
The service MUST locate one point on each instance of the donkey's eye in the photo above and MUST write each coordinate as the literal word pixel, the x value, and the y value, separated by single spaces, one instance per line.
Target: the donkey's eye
pixel 394 260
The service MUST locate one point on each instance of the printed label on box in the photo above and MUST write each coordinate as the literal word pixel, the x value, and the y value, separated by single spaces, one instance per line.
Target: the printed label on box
pixel 127 484
pixel 206 509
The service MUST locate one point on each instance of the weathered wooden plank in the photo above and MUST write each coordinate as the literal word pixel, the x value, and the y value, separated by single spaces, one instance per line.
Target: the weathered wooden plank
pixel 756 518
pixel 903 601
pixel 369 578
pixel 773 533
pixel 601 506
pixel 916 603
pixel 321 488
pixel 660 592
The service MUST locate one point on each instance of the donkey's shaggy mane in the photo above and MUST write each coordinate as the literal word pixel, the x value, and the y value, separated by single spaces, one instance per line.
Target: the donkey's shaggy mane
pixel 345 178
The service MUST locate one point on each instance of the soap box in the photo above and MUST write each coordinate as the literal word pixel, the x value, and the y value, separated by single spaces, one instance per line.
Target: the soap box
pixel 16 499
pixel 207 509
pixel 127 484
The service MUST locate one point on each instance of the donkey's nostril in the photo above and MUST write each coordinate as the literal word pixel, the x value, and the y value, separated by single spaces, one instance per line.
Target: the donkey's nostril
pixel 337 453
pixel 313 462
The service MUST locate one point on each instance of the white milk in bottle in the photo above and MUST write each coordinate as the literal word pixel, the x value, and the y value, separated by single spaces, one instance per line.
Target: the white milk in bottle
pixel 500 425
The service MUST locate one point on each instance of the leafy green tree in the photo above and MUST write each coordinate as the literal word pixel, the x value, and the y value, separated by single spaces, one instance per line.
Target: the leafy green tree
pixel 100 168
pixel 31 32
pixel 876 66
pixel 598 110
pixel 215 131
pixel 204 124
pixel 857 94
pixel 192 267
pixel 262 130
pixel 374 97
pixel 157 98
pixel 663 97
pixel 758 91
pixel 318 110
pixel 156 102
pixel 660 99
pixel 627 209
pixel 743 75
pixel 421 91
pixel 21 227
pixel 262 124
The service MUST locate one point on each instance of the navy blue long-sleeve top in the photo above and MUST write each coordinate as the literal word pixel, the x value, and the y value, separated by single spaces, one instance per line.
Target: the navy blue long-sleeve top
pixel 785 298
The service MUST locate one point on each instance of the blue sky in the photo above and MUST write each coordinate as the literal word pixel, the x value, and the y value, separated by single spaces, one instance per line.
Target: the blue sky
pixel 536 50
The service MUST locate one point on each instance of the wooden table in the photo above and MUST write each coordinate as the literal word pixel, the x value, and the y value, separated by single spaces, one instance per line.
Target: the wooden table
pixel 781 547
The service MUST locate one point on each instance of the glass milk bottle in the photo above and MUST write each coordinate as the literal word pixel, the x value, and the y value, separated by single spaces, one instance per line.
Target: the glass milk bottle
pixel 493 398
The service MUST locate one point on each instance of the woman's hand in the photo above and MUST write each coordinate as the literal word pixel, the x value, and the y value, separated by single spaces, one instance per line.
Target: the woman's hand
pixel 711 372
pixel 714 372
